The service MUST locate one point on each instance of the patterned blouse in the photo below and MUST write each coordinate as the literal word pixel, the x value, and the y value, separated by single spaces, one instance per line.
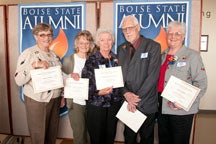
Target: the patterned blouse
pixel 94 62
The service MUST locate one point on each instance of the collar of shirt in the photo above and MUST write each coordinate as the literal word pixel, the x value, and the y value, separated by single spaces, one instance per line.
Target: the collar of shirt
pixel 137 42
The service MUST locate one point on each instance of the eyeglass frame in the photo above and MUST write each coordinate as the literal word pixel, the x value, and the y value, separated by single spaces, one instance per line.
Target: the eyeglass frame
pixel 128 28
pixel 177 34
pixel 45 35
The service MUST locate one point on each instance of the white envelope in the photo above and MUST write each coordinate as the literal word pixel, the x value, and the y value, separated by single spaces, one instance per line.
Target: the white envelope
pixel 133 120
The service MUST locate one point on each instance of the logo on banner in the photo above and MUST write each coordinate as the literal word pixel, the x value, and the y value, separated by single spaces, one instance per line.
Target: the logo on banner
pixel 153 17
pixel 66 19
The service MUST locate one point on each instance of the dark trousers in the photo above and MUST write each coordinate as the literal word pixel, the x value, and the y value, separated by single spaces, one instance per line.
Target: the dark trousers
pixel 174 129
pixel 102 122
pixel 43 120
pixel 146 132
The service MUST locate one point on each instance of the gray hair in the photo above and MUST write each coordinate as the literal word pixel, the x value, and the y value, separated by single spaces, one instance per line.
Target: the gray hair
pixel 100 31
pixel 177 24
pixel 41 27
pixel 131 17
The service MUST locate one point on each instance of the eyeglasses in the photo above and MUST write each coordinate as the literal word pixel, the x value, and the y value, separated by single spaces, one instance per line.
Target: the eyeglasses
pixel 177 34
pixel 128 28
pixel 45 35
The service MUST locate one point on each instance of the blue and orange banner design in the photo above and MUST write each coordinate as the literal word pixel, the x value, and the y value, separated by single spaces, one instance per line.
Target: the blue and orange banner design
pixel 66 19
pixel 153 17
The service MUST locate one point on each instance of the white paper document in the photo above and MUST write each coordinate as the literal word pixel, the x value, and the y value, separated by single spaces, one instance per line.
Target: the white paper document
pixel 46 79
pixel 181 92
pixel 133 120
pixel 107 77
pixel 76 89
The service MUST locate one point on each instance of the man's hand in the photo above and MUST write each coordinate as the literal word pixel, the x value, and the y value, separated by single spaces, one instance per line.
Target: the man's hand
pixel 132 100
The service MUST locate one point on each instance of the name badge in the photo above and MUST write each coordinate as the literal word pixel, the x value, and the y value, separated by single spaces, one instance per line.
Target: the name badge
pixel 144 55
pixel 181 64
pixel 102 66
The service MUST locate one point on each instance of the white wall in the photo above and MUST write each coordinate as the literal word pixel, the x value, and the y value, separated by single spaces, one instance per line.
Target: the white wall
pixel 208 102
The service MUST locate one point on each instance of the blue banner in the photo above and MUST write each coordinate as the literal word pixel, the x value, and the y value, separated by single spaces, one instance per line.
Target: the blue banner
pixel 153 17
pixel 66 19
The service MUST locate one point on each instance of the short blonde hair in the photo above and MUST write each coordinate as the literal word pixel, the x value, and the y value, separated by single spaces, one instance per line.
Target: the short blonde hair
pixel 86 34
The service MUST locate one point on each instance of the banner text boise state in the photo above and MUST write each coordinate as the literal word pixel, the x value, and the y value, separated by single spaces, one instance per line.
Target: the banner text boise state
pixel 63 17
pixel 154 14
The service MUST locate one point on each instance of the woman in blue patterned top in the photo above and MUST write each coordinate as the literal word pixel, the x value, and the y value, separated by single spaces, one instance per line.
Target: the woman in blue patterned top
pixel 102 105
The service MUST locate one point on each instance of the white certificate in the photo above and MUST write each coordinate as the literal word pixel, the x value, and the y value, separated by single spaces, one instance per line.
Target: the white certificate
pixel 107 77
pixel 133 120
pixel 181 92
pixel 76 89
pixel 46 79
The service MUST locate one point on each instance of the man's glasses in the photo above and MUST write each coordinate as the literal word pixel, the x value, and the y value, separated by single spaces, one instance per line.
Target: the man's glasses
pixel 45 35
pixel 128 28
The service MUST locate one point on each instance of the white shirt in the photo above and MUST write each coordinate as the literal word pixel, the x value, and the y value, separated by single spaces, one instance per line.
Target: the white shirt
pixel 78 66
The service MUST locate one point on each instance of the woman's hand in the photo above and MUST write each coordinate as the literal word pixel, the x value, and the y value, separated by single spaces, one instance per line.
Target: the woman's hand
pixel 40 64
pixel 105 91
pixel 62 102
pixel 174 105
pixel 75 76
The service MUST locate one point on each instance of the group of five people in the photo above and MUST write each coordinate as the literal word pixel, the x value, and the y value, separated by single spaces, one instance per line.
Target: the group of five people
pixel 145 73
